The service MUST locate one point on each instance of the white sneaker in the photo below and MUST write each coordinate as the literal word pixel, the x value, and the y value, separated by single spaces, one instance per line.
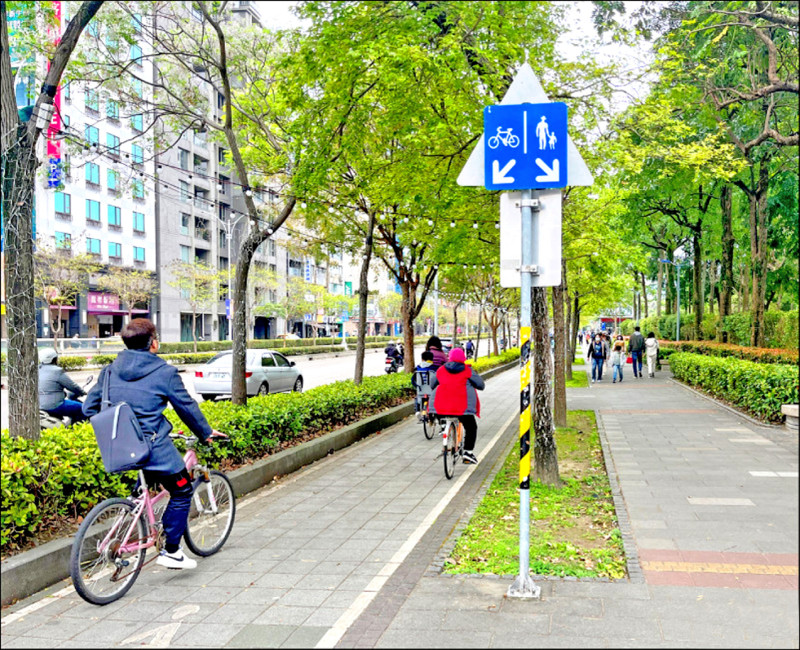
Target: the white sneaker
pixel 176 560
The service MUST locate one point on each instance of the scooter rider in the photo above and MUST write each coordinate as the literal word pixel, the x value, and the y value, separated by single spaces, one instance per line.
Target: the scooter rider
pixel 53 381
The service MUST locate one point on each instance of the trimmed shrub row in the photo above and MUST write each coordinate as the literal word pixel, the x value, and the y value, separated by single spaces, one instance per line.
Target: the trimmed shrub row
pixel 277 344
pixel 59 477
pixel 711 348
pixel 780 328
pixel 758 388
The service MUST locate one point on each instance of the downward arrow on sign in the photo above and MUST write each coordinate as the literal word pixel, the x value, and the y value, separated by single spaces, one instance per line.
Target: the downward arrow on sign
pixel 499 175
pixel 550 175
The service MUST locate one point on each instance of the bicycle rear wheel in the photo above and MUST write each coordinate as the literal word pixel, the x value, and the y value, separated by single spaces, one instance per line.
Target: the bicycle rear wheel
pixel 449 452
pixel 428 426
pixel 100 571
pixel 208 528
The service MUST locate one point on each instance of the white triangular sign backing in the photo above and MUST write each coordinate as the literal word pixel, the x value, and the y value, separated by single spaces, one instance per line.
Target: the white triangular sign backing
pixel 525 89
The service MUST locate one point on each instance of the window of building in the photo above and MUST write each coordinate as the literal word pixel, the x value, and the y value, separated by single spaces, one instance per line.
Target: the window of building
pixel 271 246
pixel 200 138
pixel 186 253
pixel 111 42
pixel 224 183
pixel 112 109
pixel 137 189
pixel 112 143
pixel 223 263
pixel 183 156
pixel 220 100
pixel 185 223
pixel 112 180
pixel 273 269
pixel 93 246
pixel 138 222
pixel 200 165
pixel 224 211
pixel 92 101
pixel 295 268
pixel 66 165
pixel 138 254
pixel 136 87
pixel 65 121
pixel 92 134
pixel 137 154
pixel 63 240
pixel 63 203
pixel 136 21
pixel 137 122
pixel 92 210
pixel 92 28
pixel 114 250
pixel 65 91
pixel 185 196
pixel 223 238
pixel 114 216
pixel 221 155
pixel 136 55
pixel 92 172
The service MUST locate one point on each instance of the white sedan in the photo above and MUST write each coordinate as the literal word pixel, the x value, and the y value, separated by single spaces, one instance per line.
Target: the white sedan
pixel 266 371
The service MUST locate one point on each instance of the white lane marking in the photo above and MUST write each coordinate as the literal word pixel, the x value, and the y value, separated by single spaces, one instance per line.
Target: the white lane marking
pixel 735 429
pixel 763 474
pixel 716 501
pixel 183 612
pixel 334 635
pixel 752 441
pixel 787 474
pixel 44 602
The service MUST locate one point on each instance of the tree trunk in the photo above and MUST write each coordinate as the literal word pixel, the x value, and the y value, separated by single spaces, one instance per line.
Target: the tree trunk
pixel 712 282
pixel 758 247
pixel 644 297
pixel 559 357
pixel 19 162
pixel 478 337
pixel 697 282
pixel 571 337
pixel 406 314
pixel 455 323
pixel 660 282
pixel 726 275
pixel 56 330
pixel 544 449
pixel 363 299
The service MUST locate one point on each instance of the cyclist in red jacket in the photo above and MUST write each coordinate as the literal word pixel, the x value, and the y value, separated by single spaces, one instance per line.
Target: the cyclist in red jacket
pixel 455 389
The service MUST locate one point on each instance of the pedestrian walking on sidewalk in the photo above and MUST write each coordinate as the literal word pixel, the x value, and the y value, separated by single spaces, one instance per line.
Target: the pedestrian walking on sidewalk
pixel 597 354
pixel 651 346
pixel 617 361
pixel 636 350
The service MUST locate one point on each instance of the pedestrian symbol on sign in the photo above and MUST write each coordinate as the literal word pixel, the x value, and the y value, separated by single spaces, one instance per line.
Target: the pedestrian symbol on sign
pixel 542 131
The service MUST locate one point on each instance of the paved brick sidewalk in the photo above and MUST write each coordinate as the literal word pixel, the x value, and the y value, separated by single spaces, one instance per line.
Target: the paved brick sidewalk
pixel 713 505
pixel 304 555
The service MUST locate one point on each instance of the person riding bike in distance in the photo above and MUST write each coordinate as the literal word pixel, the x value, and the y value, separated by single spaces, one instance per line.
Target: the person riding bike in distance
pixel 53 381
pixel 148 384
pixel 455 389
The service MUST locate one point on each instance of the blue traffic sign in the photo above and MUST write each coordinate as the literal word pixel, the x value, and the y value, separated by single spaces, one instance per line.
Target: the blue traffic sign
pixel 525 146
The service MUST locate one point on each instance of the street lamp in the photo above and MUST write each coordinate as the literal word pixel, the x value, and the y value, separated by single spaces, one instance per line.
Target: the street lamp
pixel 679 266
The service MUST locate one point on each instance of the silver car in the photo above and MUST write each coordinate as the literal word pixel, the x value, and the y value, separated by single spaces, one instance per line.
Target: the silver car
pixel 266 372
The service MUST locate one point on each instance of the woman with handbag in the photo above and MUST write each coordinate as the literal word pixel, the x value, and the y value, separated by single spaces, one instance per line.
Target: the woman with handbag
pixel 147 384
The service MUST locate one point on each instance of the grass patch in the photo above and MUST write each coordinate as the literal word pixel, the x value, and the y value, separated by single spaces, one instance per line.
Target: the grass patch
pixel 580 361
pixel 573 527
pixel 579 379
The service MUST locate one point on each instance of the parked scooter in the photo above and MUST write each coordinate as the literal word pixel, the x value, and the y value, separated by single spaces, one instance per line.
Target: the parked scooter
pixel 47 421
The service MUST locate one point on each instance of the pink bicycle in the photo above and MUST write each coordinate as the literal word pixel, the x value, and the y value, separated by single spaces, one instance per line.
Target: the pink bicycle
pixel 110 547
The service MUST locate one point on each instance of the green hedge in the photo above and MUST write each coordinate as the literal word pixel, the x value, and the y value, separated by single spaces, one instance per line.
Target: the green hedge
pixel 758 388
pixel 72 362
pixel 277 344
pixel 714 349
pixel 780 328
pixel 61 475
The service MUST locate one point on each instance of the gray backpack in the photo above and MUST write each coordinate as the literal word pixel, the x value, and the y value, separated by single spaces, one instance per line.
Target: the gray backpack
pixel 122 443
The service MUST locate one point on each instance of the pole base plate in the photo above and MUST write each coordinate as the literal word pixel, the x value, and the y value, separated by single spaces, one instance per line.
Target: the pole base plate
pixel 524 587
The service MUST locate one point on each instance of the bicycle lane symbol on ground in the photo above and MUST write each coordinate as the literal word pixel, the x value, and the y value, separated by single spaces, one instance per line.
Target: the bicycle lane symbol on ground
pixel 162 635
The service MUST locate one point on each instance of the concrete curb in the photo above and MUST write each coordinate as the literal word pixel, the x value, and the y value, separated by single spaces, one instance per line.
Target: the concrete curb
pixel 30 571
pixel 735 411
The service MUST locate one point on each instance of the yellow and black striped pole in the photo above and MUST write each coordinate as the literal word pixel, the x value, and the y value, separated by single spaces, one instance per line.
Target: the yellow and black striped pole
pixel 523 586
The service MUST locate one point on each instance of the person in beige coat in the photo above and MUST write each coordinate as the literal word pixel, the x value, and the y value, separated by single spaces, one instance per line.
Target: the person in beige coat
pixel 651 349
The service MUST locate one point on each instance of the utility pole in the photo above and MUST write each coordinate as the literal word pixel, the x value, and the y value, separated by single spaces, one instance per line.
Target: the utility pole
pixel 436 304
pixel 523 584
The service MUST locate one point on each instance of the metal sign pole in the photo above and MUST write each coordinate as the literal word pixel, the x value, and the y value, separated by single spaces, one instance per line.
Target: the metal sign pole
pixel 524 586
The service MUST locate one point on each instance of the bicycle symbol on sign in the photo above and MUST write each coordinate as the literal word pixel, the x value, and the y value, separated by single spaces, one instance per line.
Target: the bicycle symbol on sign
pixel 506 137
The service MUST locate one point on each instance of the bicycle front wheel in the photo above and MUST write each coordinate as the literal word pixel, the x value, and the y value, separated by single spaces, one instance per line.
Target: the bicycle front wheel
pixel 211 515
pixel 101 570
pixel 449 452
